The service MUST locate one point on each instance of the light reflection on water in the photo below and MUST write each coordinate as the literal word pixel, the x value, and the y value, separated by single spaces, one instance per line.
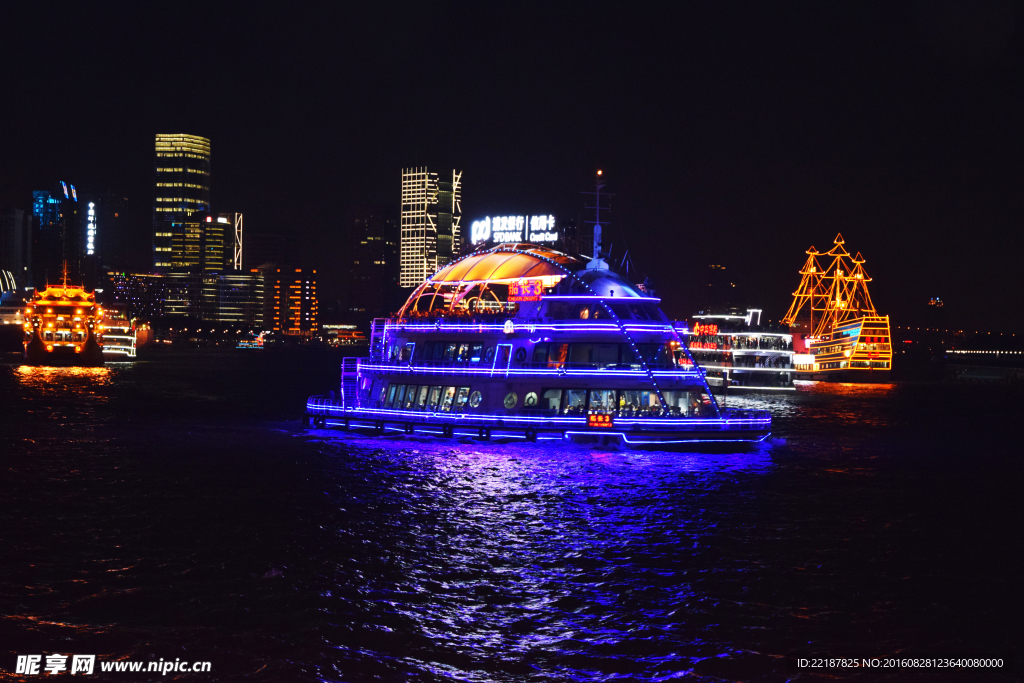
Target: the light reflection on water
pixel 568 558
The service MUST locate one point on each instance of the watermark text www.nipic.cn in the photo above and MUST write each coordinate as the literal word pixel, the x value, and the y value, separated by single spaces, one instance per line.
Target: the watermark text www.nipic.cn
pixel 40 665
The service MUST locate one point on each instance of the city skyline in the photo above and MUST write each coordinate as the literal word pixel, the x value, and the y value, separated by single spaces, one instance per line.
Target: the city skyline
pixel 895 126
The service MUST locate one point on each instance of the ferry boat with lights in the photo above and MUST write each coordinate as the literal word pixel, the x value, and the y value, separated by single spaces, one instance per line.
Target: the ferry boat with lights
pixel 519 341
pixel 838 335
pixel 741 352
pixel 63 326
pixel 118 336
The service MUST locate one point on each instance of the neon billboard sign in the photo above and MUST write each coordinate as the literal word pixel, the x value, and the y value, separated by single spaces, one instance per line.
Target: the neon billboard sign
pixel 539 229
pixel 525 290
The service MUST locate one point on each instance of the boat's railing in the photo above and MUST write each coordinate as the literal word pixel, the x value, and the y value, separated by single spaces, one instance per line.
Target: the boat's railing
pixel 323 404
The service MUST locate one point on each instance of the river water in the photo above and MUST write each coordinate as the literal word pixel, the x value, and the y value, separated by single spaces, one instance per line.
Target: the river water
pixel 175 507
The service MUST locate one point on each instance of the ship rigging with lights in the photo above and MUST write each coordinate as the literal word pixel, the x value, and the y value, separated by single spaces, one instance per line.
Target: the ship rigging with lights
pixel 520 341
pixel 837 333
pixel 63 326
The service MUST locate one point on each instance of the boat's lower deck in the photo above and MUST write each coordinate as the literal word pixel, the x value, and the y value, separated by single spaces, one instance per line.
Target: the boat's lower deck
pixel 732 427
pixel 851 375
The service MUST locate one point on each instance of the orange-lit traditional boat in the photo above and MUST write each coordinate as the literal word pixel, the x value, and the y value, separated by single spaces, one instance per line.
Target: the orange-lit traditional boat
pixel 837 333
pixel 63 326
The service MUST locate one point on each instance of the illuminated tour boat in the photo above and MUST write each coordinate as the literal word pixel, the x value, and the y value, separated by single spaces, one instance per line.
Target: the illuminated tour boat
pixel 519 341
pixel 118 336
pixel 837 333
pixel 63 326
pixel 738 352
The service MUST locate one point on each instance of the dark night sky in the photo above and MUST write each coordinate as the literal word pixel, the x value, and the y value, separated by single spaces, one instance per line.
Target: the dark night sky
pixel 731 133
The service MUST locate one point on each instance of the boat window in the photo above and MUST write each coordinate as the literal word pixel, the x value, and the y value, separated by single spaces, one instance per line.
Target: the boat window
pixel 421 400
pixel 580 354
pixel 391 393
pixel 639 311
pixel 557 355
pixel 475 399
pixel 540 353
pixel 475 352
pixel 629 356
pixel 552 399
pixel 462 397
pixel 463 353
pixel 410 395
pixel 637 402
pixel 575 401
pixel 605 355
pixel 621 311
pixel 439 350
pixel 602 399
pixel 657 355
pixel 407 352
pixel 654 312
pixel 446 401
pixel 435 396
pixel 449 351
pixel 530 400
pixel 399 395
pixel 48 335
pixel 427 352
pixel 559 310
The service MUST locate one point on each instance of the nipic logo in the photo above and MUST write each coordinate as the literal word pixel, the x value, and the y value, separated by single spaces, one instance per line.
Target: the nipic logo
pixel 55 664
pixel 32 665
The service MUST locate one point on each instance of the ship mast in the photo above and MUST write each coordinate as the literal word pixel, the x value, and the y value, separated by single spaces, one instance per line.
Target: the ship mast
pixel 804 294
pixel 839 291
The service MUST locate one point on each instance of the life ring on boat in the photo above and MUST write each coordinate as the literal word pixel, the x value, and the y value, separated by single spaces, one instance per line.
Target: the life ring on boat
pixel 520 355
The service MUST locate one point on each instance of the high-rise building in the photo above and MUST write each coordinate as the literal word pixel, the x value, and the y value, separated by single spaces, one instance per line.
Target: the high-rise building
pixel 59 237
pixel 182 200
pixel 105 227
pixel 233 243
pixel 216 233
pixel 289 301
pixel 16 244
pixel 371 264
pixel 430 223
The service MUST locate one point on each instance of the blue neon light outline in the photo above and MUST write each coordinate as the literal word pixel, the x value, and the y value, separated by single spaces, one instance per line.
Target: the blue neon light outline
pixel 565 436
pixel 567 421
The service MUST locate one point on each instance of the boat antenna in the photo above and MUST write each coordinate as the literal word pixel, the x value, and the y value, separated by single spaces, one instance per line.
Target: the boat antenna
pixel 597 263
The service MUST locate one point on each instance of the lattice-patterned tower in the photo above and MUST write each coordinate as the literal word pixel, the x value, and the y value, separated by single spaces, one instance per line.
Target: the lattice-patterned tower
pixel 431 235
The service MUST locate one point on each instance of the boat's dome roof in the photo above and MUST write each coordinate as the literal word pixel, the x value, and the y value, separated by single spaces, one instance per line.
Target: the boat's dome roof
pixel 507 263
pixel 608 283
pixel 485 280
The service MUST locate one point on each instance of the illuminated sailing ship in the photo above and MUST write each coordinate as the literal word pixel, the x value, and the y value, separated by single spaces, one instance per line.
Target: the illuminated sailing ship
pixel 63 326
pixel 520 341
pixel 837 333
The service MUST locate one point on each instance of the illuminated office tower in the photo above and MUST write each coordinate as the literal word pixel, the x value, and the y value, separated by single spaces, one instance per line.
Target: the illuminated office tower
pixel 182 200
pixel 289 301
pixel 431 213
pixel 60 238
pixel 221 240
